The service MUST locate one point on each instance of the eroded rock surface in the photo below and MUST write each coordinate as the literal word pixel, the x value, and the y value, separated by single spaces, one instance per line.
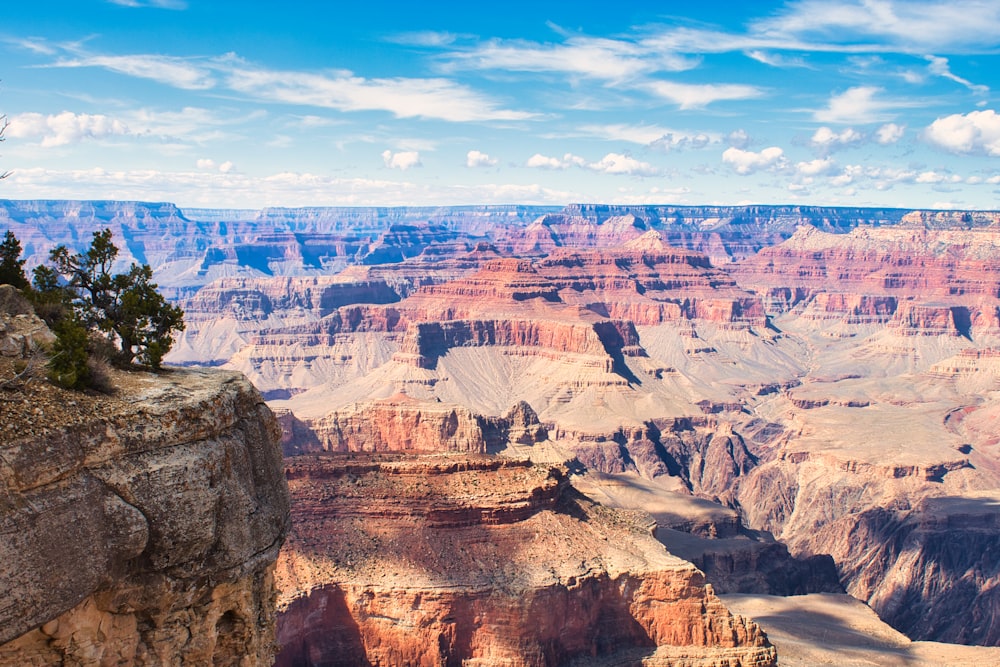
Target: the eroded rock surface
pixel 452 559
pixel 145 534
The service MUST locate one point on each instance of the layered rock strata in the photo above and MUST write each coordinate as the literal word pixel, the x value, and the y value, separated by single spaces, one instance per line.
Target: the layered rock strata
pixel 143 531
pixel 476 560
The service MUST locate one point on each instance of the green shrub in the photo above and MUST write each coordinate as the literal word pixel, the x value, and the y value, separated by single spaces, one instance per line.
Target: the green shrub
pixel 68 362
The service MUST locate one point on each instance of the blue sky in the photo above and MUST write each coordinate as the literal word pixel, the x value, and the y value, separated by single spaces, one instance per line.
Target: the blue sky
pixel 244 104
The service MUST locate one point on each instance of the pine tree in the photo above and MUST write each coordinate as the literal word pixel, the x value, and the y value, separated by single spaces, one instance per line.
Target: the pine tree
pixel 125 307
pixel 11 265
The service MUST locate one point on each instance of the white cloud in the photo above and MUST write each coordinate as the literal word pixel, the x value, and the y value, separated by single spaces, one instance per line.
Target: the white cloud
pixel 939 67
pixel 238 190
pixel 478 159
pixel 696 96
pixel 913 26
pixel 652 135
pixel 775 59
pixel 602 59
pixel 427 38
pixel 929 177
pixel 159 4
pixel 191 124
pixel 748 162
pixel 815 167
pixel 848 176
pixel 738 138
pixel 64 128
pixel 404 98
pixel 655 195
pixel 539 161
pixel 310 121
pixel 974 132
pixel 599 58
pixel 208 164
pixel 177 72
pixel 855 105
pixel 827 139
pixel 616 163
pixel 890 133
pixel 402 160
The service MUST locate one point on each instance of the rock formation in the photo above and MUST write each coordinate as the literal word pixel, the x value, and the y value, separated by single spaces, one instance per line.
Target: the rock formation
pixel 140 529
pixel 839 630
pixel 474 560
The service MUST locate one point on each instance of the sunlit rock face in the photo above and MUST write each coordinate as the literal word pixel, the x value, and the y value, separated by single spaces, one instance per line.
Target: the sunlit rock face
pixel 479 560
pixel 146 533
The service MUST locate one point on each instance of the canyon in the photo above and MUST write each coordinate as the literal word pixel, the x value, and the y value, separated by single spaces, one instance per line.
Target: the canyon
pixel 526 436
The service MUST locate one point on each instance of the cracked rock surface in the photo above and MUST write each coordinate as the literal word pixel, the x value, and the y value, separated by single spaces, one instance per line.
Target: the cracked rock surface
pixel 140 528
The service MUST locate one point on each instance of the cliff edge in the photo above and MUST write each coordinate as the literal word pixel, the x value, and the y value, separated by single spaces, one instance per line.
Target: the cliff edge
pixel 139 529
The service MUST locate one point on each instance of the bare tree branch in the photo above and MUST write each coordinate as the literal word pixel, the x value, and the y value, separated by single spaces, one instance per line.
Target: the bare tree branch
pixel 3 128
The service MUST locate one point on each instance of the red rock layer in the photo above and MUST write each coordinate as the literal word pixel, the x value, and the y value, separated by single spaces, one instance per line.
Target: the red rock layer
pixel 918 281
pixel 400 424
pixel 477 561
pixel 928 263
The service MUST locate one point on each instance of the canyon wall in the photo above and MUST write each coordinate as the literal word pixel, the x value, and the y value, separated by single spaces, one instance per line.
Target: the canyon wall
pixel 474 560
pixel 141 529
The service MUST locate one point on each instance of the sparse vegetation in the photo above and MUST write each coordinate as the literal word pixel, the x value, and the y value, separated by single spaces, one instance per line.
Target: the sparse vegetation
pixel 99 318
pixel 125 308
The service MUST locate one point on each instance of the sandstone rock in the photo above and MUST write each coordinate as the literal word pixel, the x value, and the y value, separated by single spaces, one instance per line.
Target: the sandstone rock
pixel 145 536
pixel 837 629
pixel 401 423
pixel 484 561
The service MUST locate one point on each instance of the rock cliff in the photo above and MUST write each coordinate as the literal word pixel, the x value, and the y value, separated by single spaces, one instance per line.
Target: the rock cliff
pixel 141 529
pixel 483 561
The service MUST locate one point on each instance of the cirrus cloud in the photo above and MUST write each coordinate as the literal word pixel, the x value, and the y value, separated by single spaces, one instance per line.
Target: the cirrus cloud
pixel 697 96
pixel 854 105
pixel 158 4
pixel 183 73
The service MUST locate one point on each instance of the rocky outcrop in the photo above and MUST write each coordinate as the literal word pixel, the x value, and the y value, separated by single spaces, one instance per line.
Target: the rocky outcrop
pixel 839 630
pixel 425 342
pixel 400 423
pixel 917 554
pixel 485 561
pixel 145 534
pixel 22 333
pixel 403 423
pixel 724 233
